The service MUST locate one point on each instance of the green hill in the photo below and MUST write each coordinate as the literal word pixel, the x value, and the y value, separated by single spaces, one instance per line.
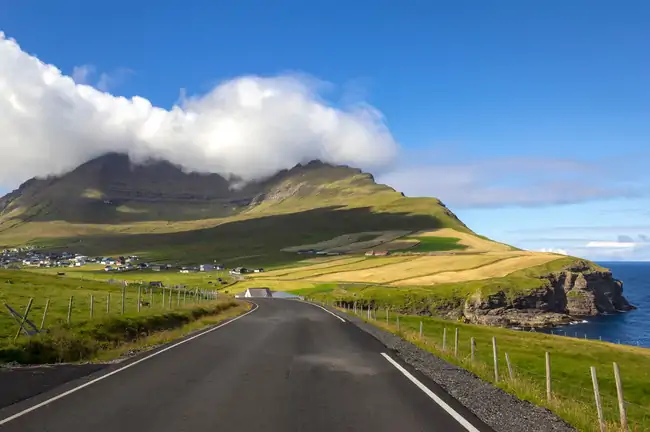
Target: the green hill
pixel 108 205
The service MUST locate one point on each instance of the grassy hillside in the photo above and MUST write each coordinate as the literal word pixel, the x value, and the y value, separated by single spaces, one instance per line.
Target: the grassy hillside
pixel 260 235
pixel 106 207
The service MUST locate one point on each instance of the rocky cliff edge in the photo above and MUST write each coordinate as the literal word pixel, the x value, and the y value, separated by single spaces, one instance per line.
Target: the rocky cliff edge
pixel 579 290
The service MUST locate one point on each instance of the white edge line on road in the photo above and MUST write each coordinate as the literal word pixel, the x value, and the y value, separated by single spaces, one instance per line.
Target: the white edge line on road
pixel 460 419
pixel 64 394
pixel 329 312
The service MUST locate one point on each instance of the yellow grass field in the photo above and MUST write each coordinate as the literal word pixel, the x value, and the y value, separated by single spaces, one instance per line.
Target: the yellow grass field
pixel 364 263
pixel 416 266
pixel 473 243
pixel 500 268
pixel 283 272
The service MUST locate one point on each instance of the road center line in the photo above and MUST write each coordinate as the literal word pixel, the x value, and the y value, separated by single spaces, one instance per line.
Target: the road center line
pixel 75 389
pixel 460 419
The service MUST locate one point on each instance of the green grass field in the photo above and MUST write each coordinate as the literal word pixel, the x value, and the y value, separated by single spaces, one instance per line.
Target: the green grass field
pixel 109 336
pixel 436 244
pixel 17 287
pixel 571 358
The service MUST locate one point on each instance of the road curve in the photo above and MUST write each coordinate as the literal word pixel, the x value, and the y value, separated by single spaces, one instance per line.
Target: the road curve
pixel 287 366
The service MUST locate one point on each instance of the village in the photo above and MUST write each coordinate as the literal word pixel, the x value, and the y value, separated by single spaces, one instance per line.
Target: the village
pixel 28 256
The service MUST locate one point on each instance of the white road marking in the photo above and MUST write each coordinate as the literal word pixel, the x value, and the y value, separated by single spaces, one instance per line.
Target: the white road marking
pixel 319 306
pixel 460 419
pixel 64 394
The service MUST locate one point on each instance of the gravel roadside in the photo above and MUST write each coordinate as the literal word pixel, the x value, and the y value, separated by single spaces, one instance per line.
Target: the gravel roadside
pixel 498 409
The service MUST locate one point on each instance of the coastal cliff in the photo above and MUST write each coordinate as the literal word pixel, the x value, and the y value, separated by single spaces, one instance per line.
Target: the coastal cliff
pixel 577 291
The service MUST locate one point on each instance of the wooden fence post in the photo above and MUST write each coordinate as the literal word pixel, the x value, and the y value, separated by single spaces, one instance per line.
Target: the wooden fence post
pixel 420 329
pixel 548 376
pixel 108 303
pixel 472 345
pixel 150 297
pixel 92 306
pixel 123 298
pixel 178 297
pixel 139 297
pixel 22 321
pixel 444 338
pixel 184 297
pixel 397 322
pixel 509 366
pixel 163 297
pixel 621 401
pixel 47 306
pixel 386 315
pixel 496 359
pixel 70 309
pixel 456 343
pixel 599 407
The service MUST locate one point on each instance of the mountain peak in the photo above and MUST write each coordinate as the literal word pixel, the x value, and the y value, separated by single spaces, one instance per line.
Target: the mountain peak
pixel 112 188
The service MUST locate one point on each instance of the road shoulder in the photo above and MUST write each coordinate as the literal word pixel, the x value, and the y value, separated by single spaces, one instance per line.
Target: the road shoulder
pixel 496 408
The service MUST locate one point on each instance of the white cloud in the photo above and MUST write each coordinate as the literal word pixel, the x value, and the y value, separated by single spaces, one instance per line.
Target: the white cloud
pixel 610 244
pixel 512 181
pixel 81 74
pixel 249 127
pixel 554 250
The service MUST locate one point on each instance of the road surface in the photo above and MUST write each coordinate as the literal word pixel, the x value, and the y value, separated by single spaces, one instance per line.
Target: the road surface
pixel 286 366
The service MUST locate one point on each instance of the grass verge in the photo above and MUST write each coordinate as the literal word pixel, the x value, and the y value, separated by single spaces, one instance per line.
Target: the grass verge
pixel 111 336
pixel 572 391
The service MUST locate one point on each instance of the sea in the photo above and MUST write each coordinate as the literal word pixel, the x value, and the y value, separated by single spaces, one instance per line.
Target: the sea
pixel 629 328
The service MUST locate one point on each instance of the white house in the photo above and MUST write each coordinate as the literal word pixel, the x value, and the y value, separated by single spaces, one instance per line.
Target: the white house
pixel 206 267
pixel 256 292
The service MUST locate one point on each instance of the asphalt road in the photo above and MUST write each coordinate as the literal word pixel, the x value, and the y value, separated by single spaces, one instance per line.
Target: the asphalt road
pixel 287 366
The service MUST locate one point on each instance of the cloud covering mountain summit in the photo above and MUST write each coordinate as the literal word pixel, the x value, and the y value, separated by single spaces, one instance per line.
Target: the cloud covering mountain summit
pixel 249 127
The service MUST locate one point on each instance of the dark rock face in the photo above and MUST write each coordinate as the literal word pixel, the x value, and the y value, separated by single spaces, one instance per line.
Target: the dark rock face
pixel 577 291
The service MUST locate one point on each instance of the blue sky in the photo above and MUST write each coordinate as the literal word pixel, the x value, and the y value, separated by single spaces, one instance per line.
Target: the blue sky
pixel 531 120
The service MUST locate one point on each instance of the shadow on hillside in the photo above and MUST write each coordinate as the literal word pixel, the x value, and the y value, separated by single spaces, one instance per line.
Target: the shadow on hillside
pixel 258 239
pixel 89 211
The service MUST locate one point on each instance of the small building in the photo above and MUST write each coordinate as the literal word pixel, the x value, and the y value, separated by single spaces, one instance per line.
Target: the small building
pixel 206 267
pixel 188 270
pixel 378 253
pixel 239 270
pixel 258 270
pixel 156 267
pixel 257 293
pixel 157 284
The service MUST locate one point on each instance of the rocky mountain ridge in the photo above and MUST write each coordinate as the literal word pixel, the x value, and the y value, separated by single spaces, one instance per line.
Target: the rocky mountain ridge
pixel 111 189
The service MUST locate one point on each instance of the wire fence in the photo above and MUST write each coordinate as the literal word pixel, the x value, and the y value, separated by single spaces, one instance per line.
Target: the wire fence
pixel 589 398
pixel 39 314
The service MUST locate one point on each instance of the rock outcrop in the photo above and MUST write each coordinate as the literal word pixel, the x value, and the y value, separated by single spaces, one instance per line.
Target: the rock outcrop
pixel 575 292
